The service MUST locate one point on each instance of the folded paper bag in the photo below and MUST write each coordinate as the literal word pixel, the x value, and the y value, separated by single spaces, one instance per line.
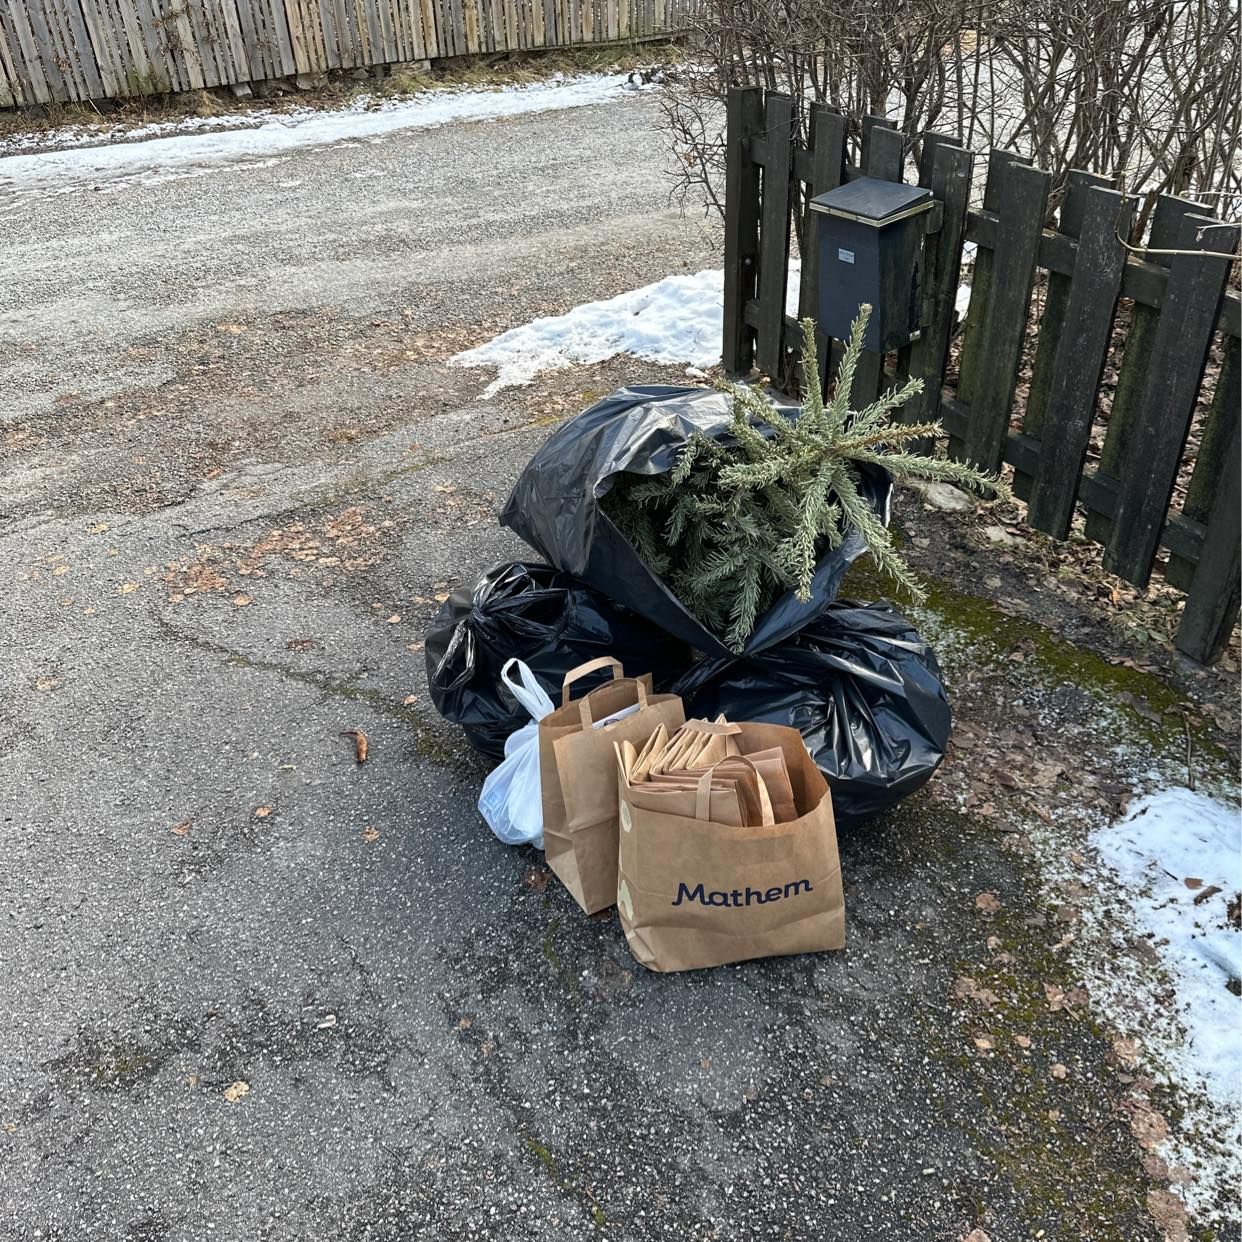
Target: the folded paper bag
pixel 578 775
pixel 693 893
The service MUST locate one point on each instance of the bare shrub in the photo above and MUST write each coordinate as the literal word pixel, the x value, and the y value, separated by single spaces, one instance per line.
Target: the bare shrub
pixel 1143 90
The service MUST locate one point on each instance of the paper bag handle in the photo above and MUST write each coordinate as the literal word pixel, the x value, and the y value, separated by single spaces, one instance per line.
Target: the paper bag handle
pixel 703 793
pixel 641 686
pixel 590 666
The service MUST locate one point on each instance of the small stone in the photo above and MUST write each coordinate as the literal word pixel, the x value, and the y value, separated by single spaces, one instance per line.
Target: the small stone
pixel 944 496
pixel 999 535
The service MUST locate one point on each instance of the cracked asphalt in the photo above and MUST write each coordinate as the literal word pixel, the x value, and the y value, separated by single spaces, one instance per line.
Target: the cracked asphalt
pixel 251 989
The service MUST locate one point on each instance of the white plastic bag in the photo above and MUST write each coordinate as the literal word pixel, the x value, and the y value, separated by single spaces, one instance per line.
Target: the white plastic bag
pixel 511 800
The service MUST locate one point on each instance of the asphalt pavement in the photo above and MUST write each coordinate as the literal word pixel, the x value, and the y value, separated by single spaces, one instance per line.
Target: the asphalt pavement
pixel 252 989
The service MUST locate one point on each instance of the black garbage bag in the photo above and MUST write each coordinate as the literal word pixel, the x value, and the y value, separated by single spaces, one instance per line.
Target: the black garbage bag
pixel 859 684
pixel 641 430
pixel 546 618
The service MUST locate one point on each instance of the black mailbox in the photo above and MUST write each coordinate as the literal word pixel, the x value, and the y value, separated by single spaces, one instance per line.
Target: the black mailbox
pixel 870 243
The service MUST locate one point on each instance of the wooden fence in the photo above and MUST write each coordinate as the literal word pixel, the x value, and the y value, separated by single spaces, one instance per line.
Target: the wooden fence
pixel 1162 316
pixel 96 49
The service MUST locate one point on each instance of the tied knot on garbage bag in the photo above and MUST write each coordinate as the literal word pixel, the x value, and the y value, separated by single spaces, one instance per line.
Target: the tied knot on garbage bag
pixel 548 620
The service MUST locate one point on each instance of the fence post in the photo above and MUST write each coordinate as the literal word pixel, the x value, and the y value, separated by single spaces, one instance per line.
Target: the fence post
pixel 744 119
pixel 1086 329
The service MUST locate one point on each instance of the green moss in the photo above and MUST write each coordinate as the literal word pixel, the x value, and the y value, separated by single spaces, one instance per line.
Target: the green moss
pixel 991 635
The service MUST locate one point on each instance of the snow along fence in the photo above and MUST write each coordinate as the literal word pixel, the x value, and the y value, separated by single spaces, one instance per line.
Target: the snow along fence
pixel 1108 379
pixel 97 49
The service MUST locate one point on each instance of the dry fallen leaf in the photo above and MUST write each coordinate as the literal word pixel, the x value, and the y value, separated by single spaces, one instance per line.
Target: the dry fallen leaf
pixel 1191 881
pixel 464 1024
pixel 965 988
pixel 234 1091
pixel 1023 1041
pixel 1169 1212
pixel 127 588
pixel 262 812
pixel 409 698
pixel 99 528
pixel 976 1235
pixel 360 743
pixel 1059 1072
pixel 418 646
pixel 370 834
pixel 1055 995
pixel 487 1047
pixel 60 569
pixel 182 828
pixel 1147 1125
pixel 705 1063
pixel 242 600
pixel 984 1043
pixel 394 618
pixel 989 903
pixel 46 683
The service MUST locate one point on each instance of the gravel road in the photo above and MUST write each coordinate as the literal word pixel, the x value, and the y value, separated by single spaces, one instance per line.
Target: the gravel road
pixel 253 990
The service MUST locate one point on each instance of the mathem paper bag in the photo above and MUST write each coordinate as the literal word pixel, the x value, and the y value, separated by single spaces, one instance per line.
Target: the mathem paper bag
pixel 693 892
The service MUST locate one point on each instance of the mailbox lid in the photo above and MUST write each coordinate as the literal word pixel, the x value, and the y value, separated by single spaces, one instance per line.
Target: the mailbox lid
pixel 873 202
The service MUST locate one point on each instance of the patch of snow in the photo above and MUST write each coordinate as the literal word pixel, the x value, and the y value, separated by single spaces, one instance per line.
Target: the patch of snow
pixel 1192 1035
pixel 198 145
pixel 676 320
pixel 1168 838
pixel 961 302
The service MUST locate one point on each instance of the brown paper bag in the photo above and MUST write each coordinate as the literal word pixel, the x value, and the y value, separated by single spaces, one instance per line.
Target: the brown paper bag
pixel 694 893
pixel 578 775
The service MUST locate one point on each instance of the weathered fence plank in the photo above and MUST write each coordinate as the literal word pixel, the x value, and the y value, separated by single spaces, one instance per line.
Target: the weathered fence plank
pixel 1212 604
pixel 1166 227
pixel 883 155
pixel 1022 197
pixel 827 145
pixel 1085 329
pixel 1179 353
pixel 743 120
pixel 980 290
pixel 949 179
pixel 1212 459
pixel 1052 317
pixel 774 235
